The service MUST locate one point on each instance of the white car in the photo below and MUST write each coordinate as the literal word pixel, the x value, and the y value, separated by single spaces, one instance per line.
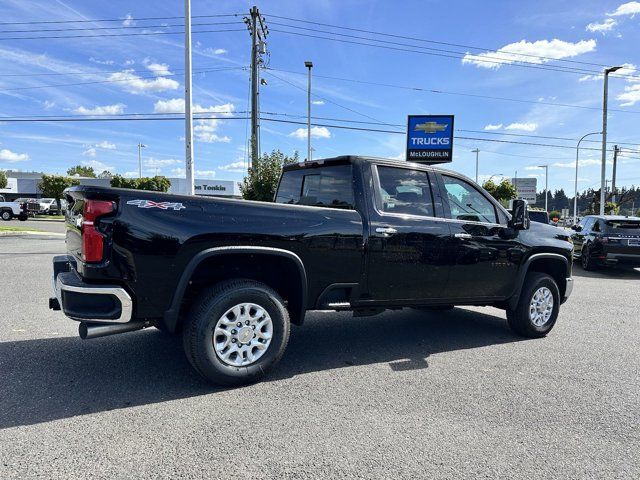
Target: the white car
pixel 48 206
pixel 9 210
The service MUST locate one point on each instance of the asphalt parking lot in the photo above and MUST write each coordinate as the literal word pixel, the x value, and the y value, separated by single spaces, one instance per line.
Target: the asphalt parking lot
pixel 406 394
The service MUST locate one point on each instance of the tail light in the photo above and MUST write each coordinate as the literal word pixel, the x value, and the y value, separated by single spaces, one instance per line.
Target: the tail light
pixel 92 239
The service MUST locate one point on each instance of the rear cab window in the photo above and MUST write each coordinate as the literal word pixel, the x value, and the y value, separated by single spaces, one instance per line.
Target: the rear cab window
pixel 404 191
pixel 330 186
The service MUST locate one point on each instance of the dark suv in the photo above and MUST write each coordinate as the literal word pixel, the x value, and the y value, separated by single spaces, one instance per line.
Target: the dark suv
pixel 607 240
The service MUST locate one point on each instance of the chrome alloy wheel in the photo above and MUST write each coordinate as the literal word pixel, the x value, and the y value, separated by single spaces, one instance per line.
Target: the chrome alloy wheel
pixel 243 334
pixel 541 306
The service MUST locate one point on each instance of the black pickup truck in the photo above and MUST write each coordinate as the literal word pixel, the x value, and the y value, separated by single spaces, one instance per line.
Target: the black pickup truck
pixel 346 233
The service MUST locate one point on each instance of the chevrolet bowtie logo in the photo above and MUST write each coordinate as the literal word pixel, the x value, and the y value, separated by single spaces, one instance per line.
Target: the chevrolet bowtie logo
pixel 430 127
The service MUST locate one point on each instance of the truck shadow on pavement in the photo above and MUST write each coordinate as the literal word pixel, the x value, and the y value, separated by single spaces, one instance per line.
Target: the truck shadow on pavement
pixel 607 273
pixel 56 378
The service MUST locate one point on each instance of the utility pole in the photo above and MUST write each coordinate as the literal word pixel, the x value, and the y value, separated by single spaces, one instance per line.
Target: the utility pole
pixel 309 66
pixel 476 151
pixel 603 170
pixel 575 191
pixel 188 115
pixel 140 147
pixel 546 186
pixel 616 150
pixel 257 28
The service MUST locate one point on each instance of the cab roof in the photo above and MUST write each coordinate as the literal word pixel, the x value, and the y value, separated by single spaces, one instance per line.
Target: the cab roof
pixel 343 159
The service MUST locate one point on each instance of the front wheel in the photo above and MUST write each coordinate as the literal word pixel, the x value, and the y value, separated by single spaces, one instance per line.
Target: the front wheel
pixel 236 332
pixel 585 259
pixel 6 215
pixel 537 308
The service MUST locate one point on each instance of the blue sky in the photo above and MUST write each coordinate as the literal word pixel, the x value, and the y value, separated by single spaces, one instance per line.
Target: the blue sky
pixel 148 71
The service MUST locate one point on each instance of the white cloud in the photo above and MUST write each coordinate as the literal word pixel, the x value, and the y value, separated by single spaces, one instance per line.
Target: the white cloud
pixel 238 166
pixel 524 51
pixel 588 162
pixel 48 104
pixel 215 51
pixel 533 168
pixel 128 63
pixel 629 8
pixel 606 26
pixel 316 132
pixel 98 166
pixel 492 126
pixel 131 174
pixel 626 70
pixel 102 110
pixel 317 102
pixel 106 145
pixel 101 62
pixel 159 69
pixel 12 157
pixel 135 84
pixel 89 152
pixel 178 172
pixel 128 21
pixel 630 96
pixel 157 163
pixel 524 127
pixel 205 130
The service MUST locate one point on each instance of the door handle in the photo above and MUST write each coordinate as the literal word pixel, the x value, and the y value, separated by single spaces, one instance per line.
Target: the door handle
pixel 465 236
pixel 386 230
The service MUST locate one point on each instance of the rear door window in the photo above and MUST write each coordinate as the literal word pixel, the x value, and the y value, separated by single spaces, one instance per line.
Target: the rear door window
pixel 319 187
pixel 404 191
pixel 623 227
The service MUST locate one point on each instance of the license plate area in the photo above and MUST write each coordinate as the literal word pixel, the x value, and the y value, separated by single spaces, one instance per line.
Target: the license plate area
pixel 634 242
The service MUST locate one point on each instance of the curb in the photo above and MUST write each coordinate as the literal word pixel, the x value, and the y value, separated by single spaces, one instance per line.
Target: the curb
pixel 17 233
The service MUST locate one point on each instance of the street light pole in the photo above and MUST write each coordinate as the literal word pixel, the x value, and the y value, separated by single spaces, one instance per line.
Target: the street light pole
pixel 603 170
pixel 476 151
pixel 575 191
pixel 140 147
pixel 546 186
pixel 188 116
pixel 309 66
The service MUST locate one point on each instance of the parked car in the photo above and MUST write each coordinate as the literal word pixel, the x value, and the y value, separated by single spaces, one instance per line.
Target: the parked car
pixel 347 233
pixel 540 216
pixel 605 240
pixel 48 206
pixel 10 210
pixel 32 205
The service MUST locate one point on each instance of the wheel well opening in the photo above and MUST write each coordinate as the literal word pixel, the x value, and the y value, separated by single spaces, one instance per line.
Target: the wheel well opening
pixel 556 268
pixel 280 273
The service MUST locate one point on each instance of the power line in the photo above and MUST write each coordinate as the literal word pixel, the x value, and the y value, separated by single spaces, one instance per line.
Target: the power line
pixel 473 47
pixel 118 19
pixel 118 27
pixel 555 68
pixel 119 34
pixel 148 77
pixel 448 92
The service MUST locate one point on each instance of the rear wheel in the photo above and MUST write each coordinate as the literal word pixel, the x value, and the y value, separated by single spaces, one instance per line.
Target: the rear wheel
pixel 537 308
pixel 236 332
pixel 6 215
pixel 585 259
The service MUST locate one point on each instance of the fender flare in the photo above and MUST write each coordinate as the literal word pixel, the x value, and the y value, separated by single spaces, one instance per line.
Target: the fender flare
pixel 513 300
pixel 171 315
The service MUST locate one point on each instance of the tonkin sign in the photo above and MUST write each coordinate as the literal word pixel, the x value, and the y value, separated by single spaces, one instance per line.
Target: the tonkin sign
pixel 429 138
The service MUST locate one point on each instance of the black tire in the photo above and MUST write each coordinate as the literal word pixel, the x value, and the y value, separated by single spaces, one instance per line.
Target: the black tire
pixel 586 262
pixel 518 318
pixel 6 215
pixel 199 326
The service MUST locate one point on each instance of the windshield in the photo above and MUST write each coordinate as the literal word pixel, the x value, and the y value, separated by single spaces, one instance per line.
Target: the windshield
pixel 623 227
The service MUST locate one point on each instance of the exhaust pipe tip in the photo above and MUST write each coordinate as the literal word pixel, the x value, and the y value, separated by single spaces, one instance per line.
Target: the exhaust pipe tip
pixel 96 330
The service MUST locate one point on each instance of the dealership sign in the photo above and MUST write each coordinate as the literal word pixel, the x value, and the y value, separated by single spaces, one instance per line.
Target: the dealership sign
pixel 526 188
pixel 429 138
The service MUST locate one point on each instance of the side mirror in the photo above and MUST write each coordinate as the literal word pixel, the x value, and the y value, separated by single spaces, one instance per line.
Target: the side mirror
pixel 519 215
pixel 577 228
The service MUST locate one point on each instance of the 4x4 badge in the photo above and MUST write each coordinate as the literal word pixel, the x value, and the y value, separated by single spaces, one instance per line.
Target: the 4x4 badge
pixel 160 205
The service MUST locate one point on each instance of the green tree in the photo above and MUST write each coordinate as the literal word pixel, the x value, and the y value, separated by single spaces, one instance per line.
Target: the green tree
pixel 3 179
pixel 81 171
pixel 53 186
pixel 105 174
pixel 156 184
pixel 264 174
pixel 555 214
pixel 503 191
